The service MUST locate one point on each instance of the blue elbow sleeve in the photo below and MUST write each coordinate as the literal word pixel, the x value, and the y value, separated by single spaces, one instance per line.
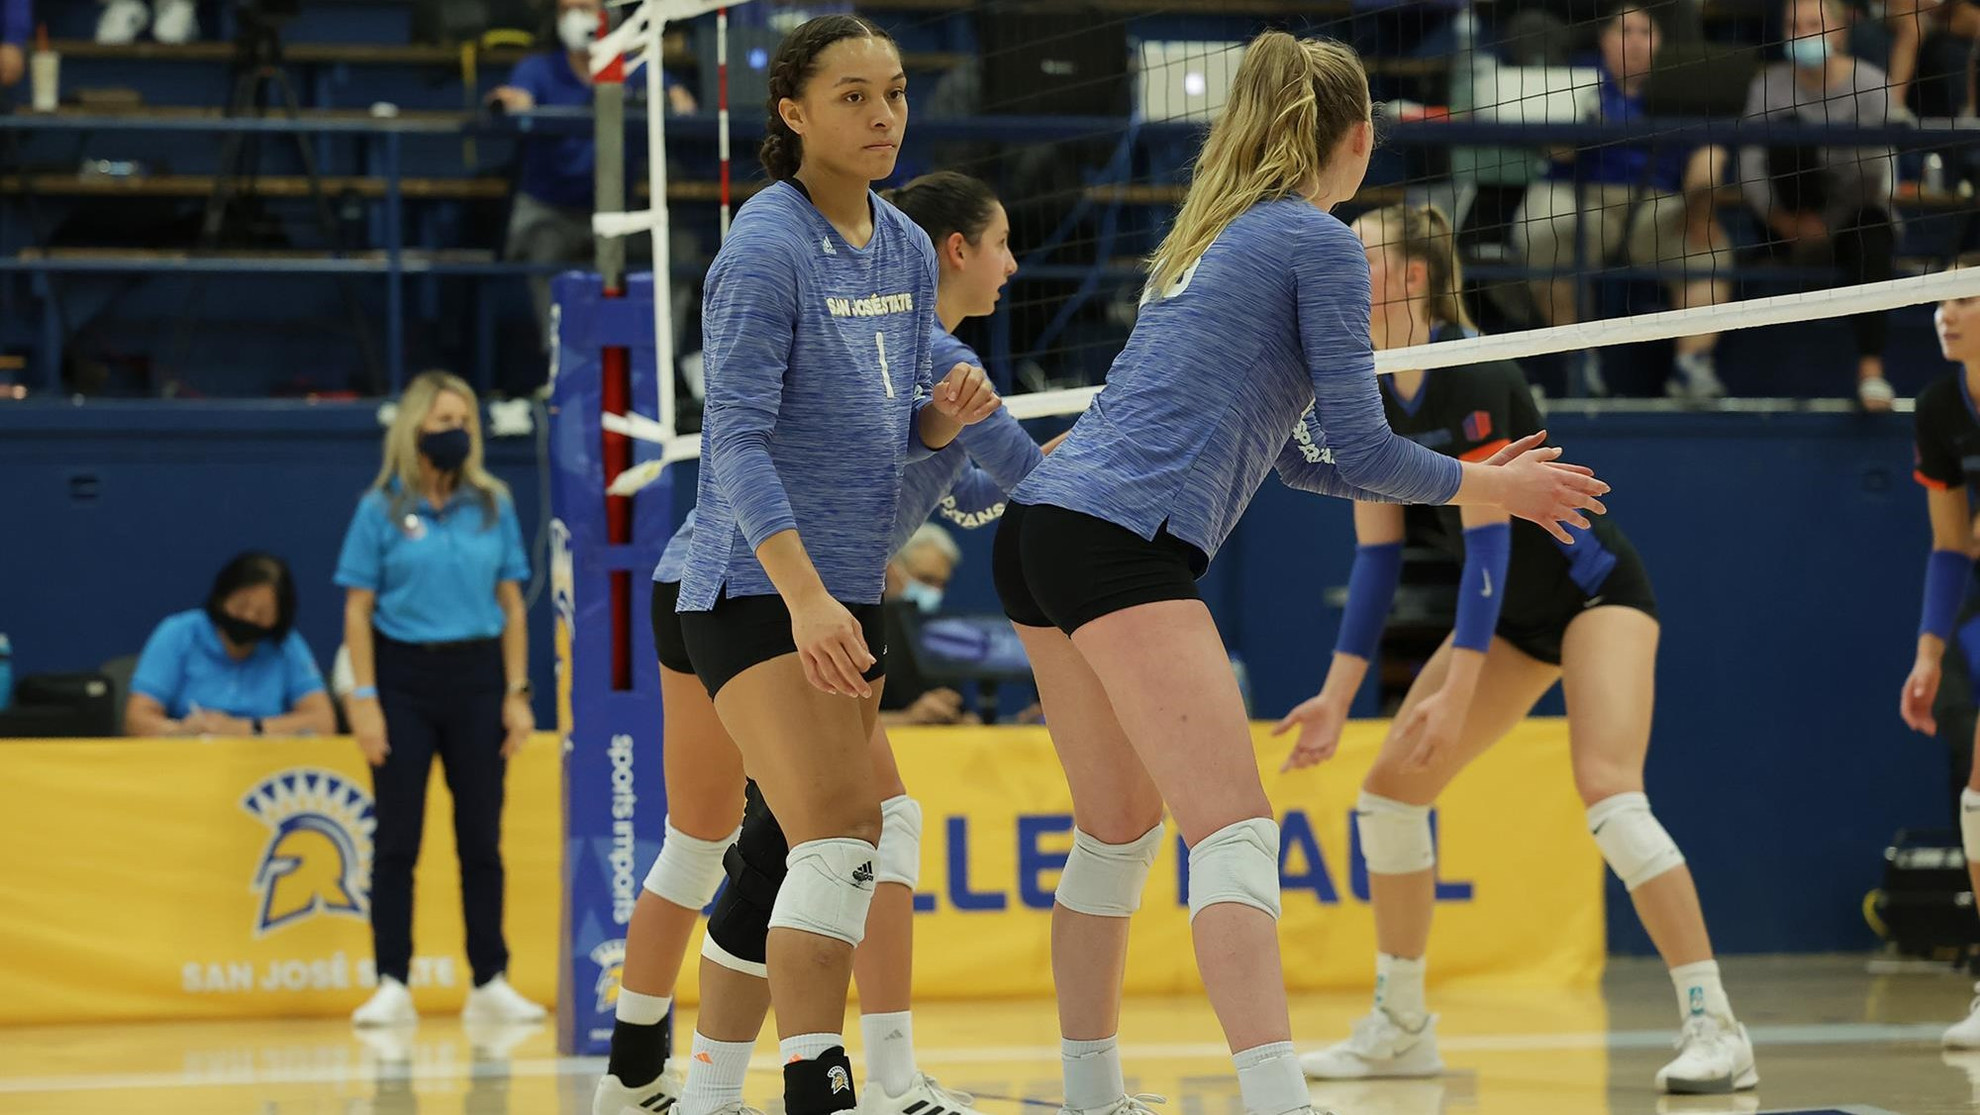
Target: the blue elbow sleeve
pixel 1946 575
pixel 1371 588
pixel 1482 588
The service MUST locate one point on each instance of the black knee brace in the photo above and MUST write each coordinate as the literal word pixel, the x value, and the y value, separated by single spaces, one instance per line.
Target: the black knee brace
pixel 740 923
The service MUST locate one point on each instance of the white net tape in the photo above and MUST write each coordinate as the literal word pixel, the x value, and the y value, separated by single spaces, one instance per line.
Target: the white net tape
pixel 1779 309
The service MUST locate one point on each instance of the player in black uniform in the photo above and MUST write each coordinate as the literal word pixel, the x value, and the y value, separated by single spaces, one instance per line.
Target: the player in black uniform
pixel 1948 449
pixel 1531 611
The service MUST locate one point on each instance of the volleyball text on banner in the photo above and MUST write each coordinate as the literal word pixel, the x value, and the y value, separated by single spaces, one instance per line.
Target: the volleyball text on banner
pixel 1520 883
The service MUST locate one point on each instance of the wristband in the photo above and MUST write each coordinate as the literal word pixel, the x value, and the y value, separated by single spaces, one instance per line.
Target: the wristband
pixel 365 693
pixel 1371 589
pixel 1482 586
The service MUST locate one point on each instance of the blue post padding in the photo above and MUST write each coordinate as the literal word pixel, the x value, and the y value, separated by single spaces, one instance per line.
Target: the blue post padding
pixel 614 797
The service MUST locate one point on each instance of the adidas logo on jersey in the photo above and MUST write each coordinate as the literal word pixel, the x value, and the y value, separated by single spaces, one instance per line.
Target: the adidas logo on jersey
pixel 825 242
pixel 863 874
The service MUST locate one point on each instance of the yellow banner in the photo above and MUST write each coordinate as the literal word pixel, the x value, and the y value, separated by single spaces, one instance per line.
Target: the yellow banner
pixel 1520 883
pixel 230 878
pixel 175 879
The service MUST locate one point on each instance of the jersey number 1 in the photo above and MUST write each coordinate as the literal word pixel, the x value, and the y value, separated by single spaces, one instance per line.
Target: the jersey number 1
pixel 880 344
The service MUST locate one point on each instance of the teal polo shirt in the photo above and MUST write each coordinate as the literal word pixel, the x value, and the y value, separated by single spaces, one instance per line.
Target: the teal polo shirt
pixel 434 569
pixel 186 665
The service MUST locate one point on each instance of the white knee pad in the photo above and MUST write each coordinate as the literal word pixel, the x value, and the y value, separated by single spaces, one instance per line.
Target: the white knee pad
pixel 714 952
pixel 1969 824
pixel 688 868
pixel 900 842
pixel 1238 863
pixel 1106 880
pixel 828 889
pixel 1395 836
pixel 1636 846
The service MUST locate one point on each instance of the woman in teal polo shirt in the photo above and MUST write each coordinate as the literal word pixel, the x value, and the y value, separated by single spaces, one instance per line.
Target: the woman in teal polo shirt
pixel 236 667
pixel 432 566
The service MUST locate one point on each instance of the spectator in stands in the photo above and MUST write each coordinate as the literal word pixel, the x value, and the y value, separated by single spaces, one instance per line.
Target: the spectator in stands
pixel 1927 47
pixel 16 25
pixel 236 667
pixel 1828 205
pixel 916 579
pixel 551 221
pixel 1651 204
pixel 432 567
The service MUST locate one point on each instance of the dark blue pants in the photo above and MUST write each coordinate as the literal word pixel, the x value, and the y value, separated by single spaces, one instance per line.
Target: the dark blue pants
pixel 446 702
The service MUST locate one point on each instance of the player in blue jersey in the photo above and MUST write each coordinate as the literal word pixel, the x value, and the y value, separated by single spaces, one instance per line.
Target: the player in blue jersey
pixel 1948 445
pixel 966 481
pixel 1531 611
pixel 816 321
pixel 1251 350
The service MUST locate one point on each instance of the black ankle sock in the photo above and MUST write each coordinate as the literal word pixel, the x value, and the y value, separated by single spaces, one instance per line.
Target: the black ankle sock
pixel 820 1086
pixel 639 1052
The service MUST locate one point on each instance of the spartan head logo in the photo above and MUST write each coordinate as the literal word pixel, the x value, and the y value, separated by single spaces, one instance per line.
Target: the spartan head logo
pixel 318 858
pixel 837 1078
pixel 610 956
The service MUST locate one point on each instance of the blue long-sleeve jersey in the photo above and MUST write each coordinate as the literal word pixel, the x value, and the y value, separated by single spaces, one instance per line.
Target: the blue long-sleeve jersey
pixel 1257 355
pixel 817 360
pixel 966 481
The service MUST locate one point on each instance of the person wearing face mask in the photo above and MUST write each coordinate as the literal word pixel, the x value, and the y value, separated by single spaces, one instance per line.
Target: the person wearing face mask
pixel 236 667
pixel 551 218
pixel 916 579
pixel 1828 205
pixel 432 567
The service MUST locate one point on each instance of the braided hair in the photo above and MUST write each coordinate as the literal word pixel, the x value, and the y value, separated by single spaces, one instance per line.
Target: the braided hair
pixel 792 69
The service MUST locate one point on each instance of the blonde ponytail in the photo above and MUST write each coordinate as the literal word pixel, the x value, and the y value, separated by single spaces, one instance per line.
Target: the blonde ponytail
pixel 1423 234
pixel 1290 104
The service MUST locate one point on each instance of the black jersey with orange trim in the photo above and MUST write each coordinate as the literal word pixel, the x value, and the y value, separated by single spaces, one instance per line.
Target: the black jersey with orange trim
pixel 1471 412
pixel 1946 433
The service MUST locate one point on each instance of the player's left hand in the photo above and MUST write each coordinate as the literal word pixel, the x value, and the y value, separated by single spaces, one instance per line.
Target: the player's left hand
pixel 518 721
pixel 1434 726
pixel 965 396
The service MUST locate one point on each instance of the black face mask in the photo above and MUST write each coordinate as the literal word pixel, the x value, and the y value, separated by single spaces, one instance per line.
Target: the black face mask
pixel 240 632
pixel 446 449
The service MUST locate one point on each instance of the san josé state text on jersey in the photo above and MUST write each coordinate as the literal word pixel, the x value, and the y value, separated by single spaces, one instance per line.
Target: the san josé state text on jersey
pixel 816 354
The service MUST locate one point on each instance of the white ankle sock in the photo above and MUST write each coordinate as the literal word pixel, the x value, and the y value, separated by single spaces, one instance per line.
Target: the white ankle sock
pixel 1399 988
pixel 889 1049
pixel 641 1010
pixel 715 1075
pixel 806 1047
pixel 1700 992
pixel 1092 1072
pixel 1270 1080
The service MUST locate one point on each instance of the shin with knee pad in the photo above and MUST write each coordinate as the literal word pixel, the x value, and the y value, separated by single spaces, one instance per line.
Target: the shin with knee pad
pixel 1238 864
pixel 688 868
pixel 740 923
pixel 1106 880
pixel 1395 835
pixel 1635 844
pixel 827 889
pixel 900 842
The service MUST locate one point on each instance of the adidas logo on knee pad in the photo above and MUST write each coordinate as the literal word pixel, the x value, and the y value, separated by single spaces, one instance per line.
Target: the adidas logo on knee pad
pixel 863 874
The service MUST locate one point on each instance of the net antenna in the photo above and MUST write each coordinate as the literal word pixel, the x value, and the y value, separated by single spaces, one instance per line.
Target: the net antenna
pixel 635 41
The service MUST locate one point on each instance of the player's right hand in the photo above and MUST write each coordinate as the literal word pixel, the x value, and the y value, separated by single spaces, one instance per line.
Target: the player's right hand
pixel 1320 720
pixel 832 647
pixel 1920 690
pixel 1540 489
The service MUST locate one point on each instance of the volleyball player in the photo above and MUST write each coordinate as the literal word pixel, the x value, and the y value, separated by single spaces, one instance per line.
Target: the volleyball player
pixel 1251 347
pixel 830 74
pixel 1948 434
pixel 1531 610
